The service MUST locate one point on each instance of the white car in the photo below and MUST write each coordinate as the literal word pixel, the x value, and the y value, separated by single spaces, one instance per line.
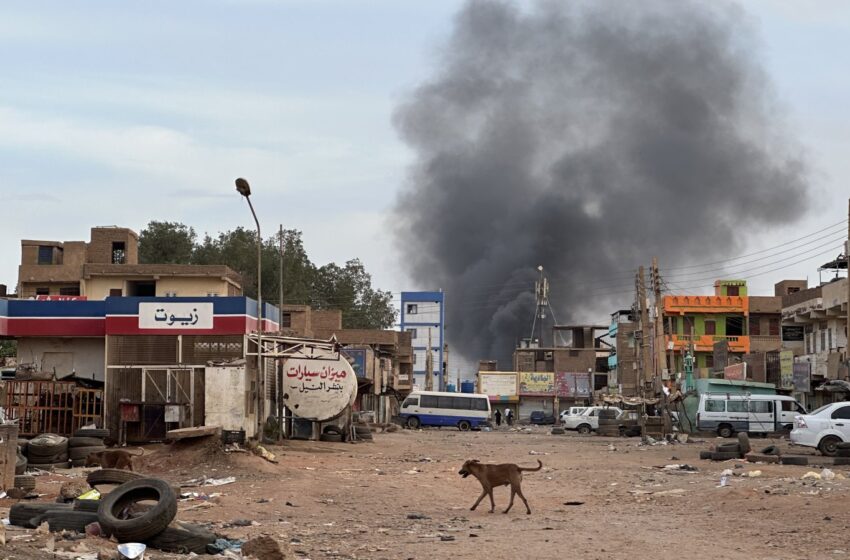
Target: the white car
pixel 573 411
pixel 823 428
pixel 587 420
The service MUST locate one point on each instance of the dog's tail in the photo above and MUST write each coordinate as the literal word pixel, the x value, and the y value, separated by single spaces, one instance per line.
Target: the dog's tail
pixel 539 466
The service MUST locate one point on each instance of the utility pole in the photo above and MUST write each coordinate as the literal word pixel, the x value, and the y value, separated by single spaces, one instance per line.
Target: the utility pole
pixel 660 357
pixel 847 256
pixel 646 358
pixel 444 378
pixel 280 410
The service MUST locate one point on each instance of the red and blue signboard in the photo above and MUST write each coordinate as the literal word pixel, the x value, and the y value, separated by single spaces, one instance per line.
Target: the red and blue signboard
pixel 134 316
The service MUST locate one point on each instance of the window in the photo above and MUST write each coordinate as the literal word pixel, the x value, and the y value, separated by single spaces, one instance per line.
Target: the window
pixel 761 407
pixel 412 309
pixel 736 406
pixel 69 291
pixel 119 252
pixel 687 325
pixel 709 361
pixel 42 291
pixel 480 404
pixel 714 405
pixel 710 327
pixel 212 294
pixel 734 326
pixel 45 254
pixel 445 402
pixel 773 328
pixel 116 292
pixel 412 401
pixel 822 341
pixel 428 401
pixel 286 320
pixel 829 338
pixel 842 413
pixel 755 326
pixel 412 333
pixel 733 290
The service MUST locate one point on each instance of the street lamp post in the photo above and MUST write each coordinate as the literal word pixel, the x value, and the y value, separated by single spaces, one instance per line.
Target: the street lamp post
pixel 245 190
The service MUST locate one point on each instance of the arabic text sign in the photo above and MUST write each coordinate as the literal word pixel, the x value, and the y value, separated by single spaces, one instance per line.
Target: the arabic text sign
pixel 572 384
pixel 498 384
pixel 318 388
pixel 175 315
pixel 536 383
pixel 802 378
pixel 786 369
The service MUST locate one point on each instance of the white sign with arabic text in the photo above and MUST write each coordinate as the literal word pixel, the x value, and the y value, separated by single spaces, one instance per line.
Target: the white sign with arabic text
pixel 177 315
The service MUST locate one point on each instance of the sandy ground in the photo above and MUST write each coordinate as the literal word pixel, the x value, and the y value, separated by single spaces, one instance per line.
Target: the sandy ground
pixel 400 497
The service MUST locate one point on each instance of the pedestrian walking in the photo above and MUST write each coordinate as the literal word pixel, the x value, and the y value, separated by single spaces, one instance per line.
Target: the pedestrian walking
pixel 509 417
pixel 498 417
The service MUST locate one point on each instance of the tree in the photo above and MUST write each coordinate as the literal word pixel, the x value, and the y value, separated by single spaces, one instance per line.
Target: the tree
pixel 350 289
pixel 166 243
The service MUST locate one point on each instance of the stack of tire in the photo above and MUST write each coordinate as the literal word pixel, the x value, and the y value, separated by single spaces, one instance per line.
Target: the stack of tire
pixel 842 454
pixel 558 431
pixel 608 424
pixel 85 442
pixel 331 434
pixel 362 431
pixel 726 451
pixel 47 451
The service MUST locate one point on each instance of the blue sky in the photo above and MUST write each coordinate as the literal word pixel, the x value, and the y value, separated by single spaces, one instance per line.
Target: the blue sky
pixel 119 113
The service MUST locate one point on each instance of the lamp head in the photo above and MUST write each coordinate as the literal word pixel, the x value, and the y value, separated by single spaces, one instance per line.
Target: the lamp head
pixel 243 187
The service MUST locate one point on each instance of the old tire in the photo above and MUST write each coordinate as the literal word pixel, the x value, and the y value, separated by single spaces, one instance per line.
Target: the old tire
pixel 705 454
pixel 111 476
pixel 557 431
pixel 150 523
pixel 725 431
pixel 25 482
pixel 413 423
pixel 770 450
pixel 78 463
pixel 724 455
pixel 22 514
pixel 76 453
pixel 21 464
pixel 92 432
pixel 23 444
pixel 331 429
pixel 182 538
pixel 844 445
pixel 85 442
pixel 90 506
pixel 794 460
pixel 728 448
pixel 334 438
pixel 47 445
pixel 58 520
pixel 829 445
pixel 584 429
pixel 464 426
pixel 744 442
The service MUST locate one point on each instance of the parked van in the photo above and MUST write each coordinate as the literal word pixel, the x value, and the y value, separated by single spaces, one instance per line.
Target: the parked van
pixel 434 408
pixel 727 414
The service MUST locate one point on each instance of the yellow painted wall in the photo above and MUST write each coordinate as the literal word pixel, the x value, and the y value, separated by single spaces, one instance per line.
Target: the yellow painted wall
pixel 98 288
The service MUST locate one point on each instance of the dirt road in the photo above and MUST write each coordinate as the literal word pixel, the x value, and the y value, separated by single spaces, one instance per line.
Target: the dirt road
pixel 401 497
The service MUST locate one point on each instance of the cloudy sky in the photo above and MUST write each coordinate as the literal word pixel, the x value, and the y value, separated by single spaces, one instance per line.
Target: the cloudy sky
pixel 117 113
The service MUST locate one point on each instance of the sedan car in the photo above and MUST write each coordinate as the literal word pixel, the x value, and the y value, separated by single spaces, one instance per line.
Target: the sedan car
pixel 823 428
pixel 541 417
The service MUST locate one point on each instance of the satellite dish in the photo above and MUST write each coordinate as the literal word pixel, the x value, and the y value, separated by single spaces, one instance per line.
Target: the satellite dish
pixel 318 384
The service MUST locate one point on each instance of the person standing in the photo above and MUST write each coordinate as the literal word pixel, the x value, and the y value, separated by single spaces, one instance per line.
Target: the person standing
pixel 498 417
pixel 509 417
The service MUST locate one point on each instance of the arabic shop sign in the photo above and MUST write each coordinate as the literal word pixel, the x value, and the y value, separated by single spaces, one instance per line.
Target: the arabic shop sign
pixel 318 384
pixel 536 383
pixel 175 315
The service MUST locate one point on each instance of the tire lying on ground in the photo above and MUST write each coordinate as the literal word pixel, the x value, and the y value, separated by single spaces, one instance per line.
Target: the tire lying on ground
pixel 792 460
pixel 335 438
pixel 705 454
pixel 22 514
pixel 770 450
pixel 182 538
pixel 761 458
pixel 111 476
pixel 85 442
pixel 76 453
pixel 841 461
pixel 92 432
pixel 725 455
pixel 148 524
pixel 744 442
pixel 73 520
pixel 25 482
pixel 22 445
pixel 729 448
pixel 47 445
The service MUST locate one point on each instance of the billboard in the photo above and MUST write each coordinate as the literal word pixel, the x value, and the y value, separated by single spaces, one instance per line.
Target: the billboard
pixel 497 384
pixel 786 369
pixel 535 383
pixel 357 358
pixel 175 315
pixel 793 333
pixel 802 378
pixel 575 385
pixel 737 372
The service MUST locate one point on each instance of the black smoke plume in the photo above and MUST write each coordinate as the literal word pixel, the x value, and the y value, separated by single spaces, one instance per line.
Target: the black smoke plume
pixel 585 137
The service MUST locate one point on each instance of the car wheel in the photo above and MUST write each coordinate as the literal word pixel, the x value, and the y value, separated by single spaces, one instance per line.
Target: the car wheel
pixel 413 423
pixel 725 431
pixel 829 445
pixel 463 426
pixel 584 429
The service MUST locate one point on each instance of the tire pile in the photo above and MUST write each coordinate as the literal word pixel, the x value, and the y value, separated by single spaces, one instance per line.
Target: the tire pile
pixel 84 443
pixel 726 451
pixel 608 424
pixel 121 514
pixel 51 451
pixel 47 451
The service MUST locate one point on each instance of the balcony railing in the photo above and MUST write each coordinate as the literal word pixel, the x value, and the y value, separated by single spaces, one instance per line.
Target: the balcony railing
pixel 704 343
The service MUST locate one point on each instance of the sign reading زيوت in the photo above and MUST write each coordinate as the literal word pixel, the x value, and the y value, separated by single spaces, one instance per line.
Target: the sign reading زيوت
pixel 318 384
pixel 175 315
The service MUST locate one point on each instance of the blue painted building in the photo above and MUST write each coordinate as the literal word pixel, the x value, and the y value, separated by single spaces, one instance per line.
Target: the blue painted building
pixel 423 313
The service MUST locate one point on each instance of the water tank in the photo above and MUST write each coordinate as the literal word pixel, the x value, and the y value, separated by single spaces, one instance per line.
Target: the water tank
pixel 467 386
pixel 450 387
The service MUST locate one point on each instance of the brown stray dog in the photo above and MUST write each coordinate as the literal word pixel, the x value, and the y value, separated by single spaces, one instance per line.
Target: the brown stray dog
pixel 491 476
pixel 112 459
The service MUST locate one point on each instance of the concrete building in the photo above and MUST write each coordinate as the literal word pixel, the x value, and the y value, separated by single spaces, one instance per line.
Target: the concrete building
pixel 108 265
pixel 423 316
pixel 623 361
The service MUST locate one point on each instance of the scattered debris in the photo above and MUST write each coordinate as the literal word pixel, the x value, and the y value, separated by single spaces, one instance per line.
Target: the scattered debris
pixel 266 548
pixel 205 481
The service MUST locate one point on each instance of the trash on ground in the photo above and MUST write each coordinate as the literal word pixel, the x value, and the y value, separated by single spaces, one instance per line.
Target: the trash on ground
pixel 132 551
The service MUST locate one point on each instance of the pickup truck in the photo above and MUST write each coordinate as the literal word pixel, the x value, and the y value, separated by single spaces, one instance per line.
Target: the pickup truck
pixel 587 420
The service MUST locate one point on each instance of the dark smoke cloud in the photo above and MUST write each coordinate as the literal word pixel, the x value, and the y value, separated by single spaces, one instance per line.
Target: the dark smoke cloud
pixel 585 137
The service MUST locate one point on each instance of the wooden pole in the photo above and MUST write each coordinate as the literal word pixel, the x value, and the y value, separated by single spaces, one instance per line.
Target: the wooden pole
pixel 646 357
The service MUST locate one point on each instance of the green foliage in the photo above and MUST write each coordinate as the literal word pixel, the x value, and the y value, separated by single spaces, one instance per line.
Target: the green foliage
pixel 8 348
pixel 166 243
pixel 348 288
